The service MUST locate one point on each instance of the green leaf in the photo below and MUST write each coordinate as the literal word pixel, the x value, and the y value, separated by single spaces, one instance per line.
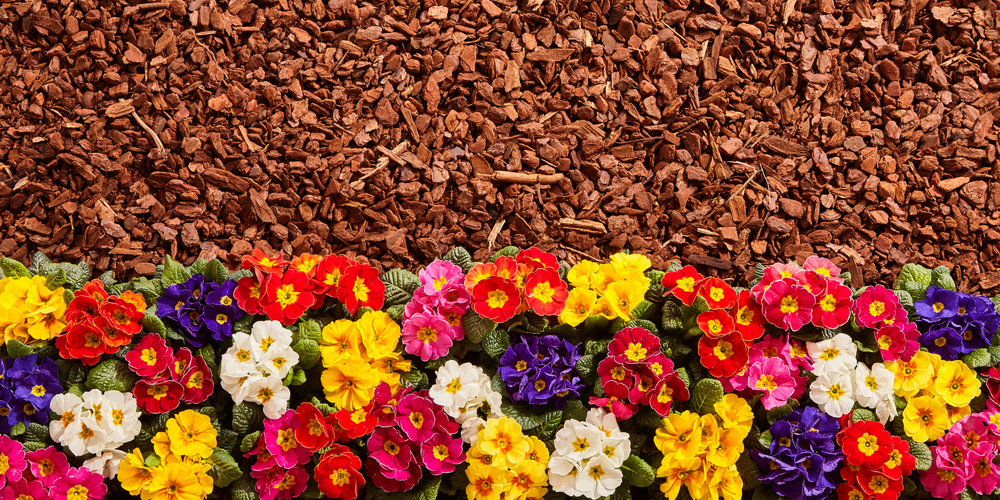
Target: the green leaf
pixel 13 269
pixel 637 472
pixel 18 429
pixel 154 324
pixel 765 439
pixel 672 319
pixel 416 379
pixel 980 358
pixel 249 442
pixel 39 259
pixel 308 351
pixel 749 472
pixel 460 257
pixel 643 310
pixel 174 272
pixel 396 312
pixel 596 346
pixel 496 343
pixel 477 327
pixel 862 414
pixel 55 280
pixel 17 349
pixel 775 414
pixel 922 453
pixel 224 468
pixel 705 394
pixel 395 296
pixel 402 279
pixel 508 251
pixel 941 276
pixel 244 489
pixel 585 365
pixel 227 439
pixel 198 267
pixel 526 417
pixel 112 375
pixel 905 299
pixel 36 432
pixel 296 376
pixel 216 271
pixel 575 410
pixel 915 279
pixel 247 416
pixel 645 324
pixel 30 446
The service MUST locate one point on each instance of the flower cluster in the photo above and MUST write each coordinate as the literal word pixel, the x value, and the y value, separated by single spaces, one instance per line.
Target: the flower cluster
pixel 412 434
pixel 955 323
pixel 937 393
pixel 461 390
pixel 611 290
pixel 966 457
pixel 700 452
pixel 358 356
pixel 803 455
pixel 97 423
pixel 30 311
pixel 281 456
pixel 254 367
pixel 99 323
pixel 774 369
pixel 506 463
pixel 167 377
pixel 541 370
pixel 27 385
pixel 202 309
pixel 44 473
pixel 730 323
pixel 841 380
pixel 878 308
pixel 512 285
pixel 791 296
pixel 874 462
pixel 637 373
pixel 432 321
pixel 284 291
pixel 182 453
pixel 588 456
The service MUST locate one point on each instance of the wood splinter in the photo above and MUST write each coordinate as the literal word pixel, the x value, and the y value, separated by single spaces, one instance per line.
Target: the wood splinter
pixel 156 138
pixel 523 178
pixel 583 226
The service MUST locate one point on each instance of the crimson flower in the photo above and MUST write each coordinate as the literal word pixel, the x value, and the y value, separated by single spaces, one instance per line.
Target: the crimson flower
pixel 260 261
pixel 748 317
pixel 496 298
pixel 338 473
pixel 159 395
pixel 867 444
pixel 716 323
pixel 717 293
pixel 723 356
pixel 537 259
pixel 361 287
pixel 287 296
pixel 150 356
pixel 683 284
pixel 545 292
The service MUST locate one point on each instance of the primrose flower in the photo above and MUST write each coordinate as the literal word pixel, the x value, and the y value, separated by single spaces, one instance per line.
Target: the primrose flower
pixel 874 305
pixel 580 304
pixel 833 392
pixel 821 266
pixel 925 419
pixel 426 335
pixel 439 275
pixel 772 377
pixel 833 306
pixel 717 293
pixel 545 292
pixel 360 286
pixel 956 383
pixel 683 284
pixel 787 305
pixel 748 317
pixel 835 355
pixel 938 304
pixel 496 298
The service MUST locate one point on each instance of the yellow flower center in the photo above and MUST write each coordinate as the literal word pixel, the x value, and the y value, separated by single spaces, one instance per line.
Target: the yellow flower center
pixel 717 294
pixel 635 352
pixel 940 341
pixel 456 385
pixel 829 303
pixel 221 319
pixel 286 439
pixel 38 391
pixel 789 305
pixel 243 355
pixel 417 419
pixel 148 356
pixel 714 326
pixel 78 492
pixel 686 284
pixel 287 295
pixel 427 334
pixel 871 383
pixel 938 307
pixel 117 416
pixel 265 394
pixel 723 350
pixel 440 452
pixel 226 301
pixel 581 444
pixel 496 299
pixel 835 392
pixel 876 308
pixel 829 353
pixel 539 385
pixel 767 383
pixel 868 444
pixel 543 292
pixel 521 365
pixel 361 290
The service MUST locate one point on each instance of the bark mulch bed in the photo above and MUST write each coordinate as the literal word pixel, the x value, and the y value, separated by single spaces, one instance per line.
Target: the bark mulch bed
pixel 721 131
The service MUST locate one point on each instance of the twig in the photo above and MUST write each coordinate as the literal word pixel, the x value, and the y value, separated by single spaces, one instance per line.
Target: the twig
pixel 492 238
pixel 523 178
pixel 156 138
pixel 583 226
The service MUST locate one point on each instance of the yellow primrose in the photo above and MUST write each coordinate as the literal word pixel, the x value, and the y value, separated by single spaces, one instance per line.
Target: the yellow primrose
pixel 580 304
pixel 956 383
pixel 583 275
pixel 734 412
pixel 349 384
pixel 680 435
pixel 503 439
pixel 911 376
pixel 925 419
pixel 630 266
pixel 380 334
pixel 622 297
pixel 677 472
pixel 340 338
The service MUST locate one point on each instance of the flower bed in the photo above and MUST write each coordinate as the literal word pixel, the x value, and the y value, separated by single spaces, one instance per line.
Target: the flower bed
pixel 517 378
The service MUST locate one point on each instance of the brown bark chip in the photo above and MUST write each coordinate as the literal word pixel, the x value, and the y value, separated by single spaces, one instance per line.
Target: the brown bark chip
pixel 720 133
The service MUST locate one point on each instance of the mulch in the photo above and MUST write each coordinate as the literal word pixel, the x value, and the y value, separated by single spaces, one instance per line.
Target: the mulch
pixel 722 132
